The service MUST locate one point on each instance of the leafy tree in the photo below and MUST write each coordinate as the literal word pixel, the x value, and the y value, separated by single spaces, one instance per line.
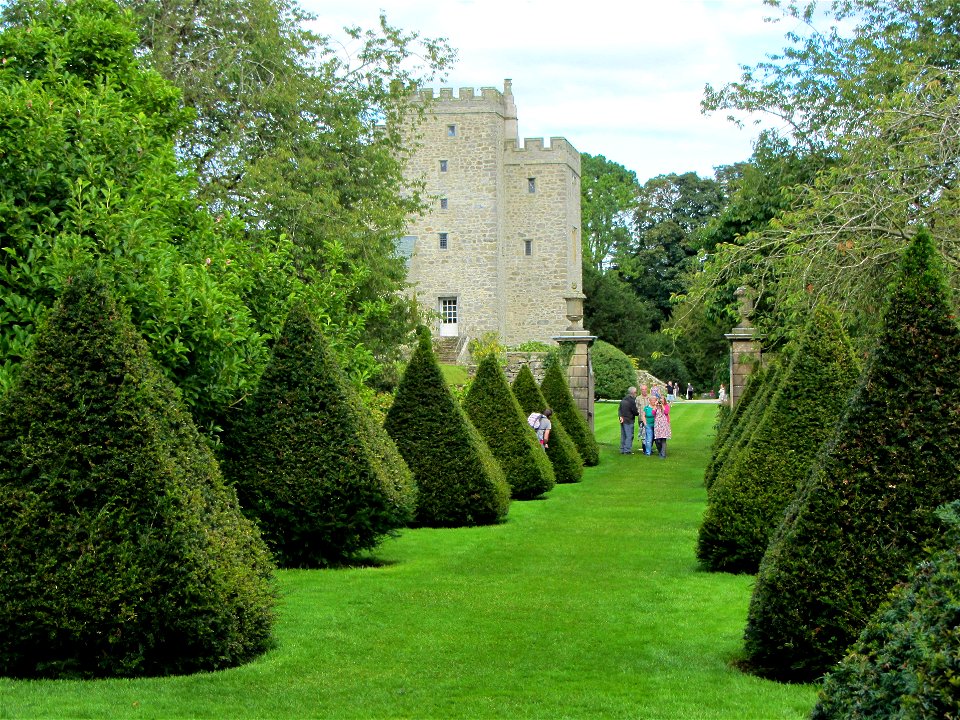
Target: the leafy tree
pixel 672 210
pixel 748 499
pixel 875 96
pixel 608 199
pixel 905 662
pixel 495 412
pixel 558 396
pixel 561 450
pixel 459 481
pixel 865 512
pixel 614 313
pixel 613 371
pixel 122 552
pixel 88 175
pixel 300 133
pixel 322 483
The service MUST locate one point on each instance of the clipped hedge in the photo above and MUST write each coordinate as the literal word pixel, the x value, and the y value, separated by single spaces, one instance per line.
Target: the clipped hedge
pixel 322 479
pixel 760 388
pixel 747 502
pixel 557 393
pixel 907 660
pixel 561 451
pixel 867 508
pixel 613 371
pixel 122 551
pixel 495 412
pixel 459 481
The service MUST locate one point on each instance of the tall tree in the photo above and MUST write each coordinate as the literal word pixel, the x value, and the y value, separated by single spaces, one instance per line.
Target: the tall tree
pixel 299 134
pixel 608 200
pixel 672 210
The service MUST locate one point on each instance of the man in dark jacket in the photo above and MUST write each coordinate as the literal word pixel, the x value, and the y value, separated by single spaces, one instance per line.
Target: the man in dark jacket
pixel 628 416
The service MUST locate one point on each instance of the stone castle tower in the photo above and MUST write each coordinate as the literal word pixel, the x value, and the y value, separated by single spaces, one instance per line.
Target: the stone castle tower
pixel 499 247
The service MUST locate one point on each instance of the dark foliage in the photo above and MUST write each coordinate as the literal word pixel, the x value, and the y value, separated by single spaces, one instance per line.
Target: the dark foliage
pixel 907 661
pixel 613 371
pixel 866 509
pixel 750 495
pixel 735 433
pixel 495 412
pixel 322 483
pixel 459 481
pixel 122 552
pixel 562 451
pixel 557 394
pixel 615 313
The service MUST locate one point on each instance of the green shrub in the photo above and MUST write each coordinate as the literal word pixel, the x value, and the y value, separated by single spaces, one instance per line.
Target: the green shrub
pixel 495 412
pixel 613 371
pixel 459 481
pixel 310 464
pixel 866 510
pixel 557 394
pixel 561 450
pixel 122 552
pixel 748 411
pixel 749 497
pixel 906 663
pixel 534 346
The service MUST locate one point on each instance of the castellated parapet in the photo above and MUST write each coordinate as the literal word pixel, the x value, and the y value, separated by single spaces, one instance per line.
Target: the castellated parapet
pixel 499 247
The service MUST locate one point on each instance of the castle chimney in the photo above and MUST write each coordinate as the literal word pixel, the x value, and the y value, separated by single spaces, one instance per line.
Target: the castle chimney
pixel 510 128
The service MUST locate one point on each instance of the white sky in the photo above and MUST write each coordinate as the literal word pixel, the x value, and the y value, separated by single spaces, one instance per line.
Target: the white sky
pixel 619 78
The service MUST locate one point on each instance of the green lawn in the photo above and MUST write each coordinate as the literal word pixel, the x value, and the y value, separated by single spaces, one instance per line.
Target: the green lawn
pixel 588 604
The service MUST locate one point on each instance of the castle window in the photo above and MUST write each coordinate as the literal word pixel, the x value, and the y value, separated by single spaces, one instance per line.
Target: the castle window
pixel 451 130
pixel 528 247
pixel 443 166
pixel 531 185
pixel 444 204
pixel 443 241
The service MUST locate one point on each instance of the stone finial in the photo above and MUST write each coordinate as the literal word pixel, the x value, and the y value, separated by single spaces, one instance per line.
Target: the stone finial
pixel 744 296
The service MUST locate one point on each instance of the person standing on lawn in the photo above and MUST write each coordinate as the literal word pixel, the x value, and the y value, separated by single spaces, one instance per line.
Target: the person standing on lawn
pixel 646 417
pixel 661 425
pixel 628 416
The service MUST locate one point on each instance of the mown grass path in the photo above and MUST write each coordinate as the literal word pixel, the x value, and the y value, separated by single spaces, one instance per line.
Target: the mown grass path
pixel 587 604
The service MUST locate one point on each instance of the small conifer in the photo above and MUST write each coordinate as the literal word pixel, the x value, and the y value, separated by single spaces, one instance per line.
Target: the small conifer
pixel 557 393
pixel 748 499
pixel 561 450
pixel 122 551
pixel 459 481
pixel 866 510
pixel 323 480
pixel 495 412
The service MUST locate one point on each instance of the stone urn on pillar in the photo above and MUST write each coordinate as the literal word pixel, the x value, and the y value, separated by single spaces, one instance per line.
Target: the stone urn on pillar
pixel 745 352
pixel 580 369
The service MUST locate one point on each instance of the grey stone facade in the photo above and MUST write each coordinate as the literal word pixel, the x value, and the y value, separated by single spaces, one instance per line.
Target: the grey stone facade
pixel 499 247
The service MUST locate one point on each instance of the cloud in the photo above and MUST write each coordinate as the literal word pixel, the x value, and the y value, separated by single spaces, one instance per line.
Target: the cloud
pixel 619 78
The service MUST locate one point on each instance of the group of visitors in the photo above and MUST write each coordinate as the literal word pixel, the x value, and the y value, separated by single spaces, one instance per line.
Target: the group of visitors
pixel 653 410
pixel 673 390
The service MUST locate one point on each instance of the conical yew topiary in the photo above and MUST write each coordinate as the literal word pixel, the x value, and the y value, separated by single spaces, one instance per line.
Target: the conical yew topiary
pixel 747 502
pixel 905 663
pixel 760 388
pixel 322 480
pixel 495 412
pixel 122 552
pixel 558 396
pixel 459 481
pixel 561 450
pixel 866 509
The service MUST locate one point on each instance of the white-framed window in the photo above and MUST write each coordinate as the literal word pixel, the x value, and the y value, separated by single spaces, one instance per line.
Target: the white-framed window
pixel 443 166
pixel 443 240
pixel 451 130
pixel 448 310
pixel 528 247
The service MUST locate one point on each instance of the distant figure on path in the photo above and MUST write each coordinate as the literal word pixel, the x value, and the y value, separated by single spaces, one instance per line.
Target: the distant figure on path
pixel 722 395
pixel 689 391
pixel 628 416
